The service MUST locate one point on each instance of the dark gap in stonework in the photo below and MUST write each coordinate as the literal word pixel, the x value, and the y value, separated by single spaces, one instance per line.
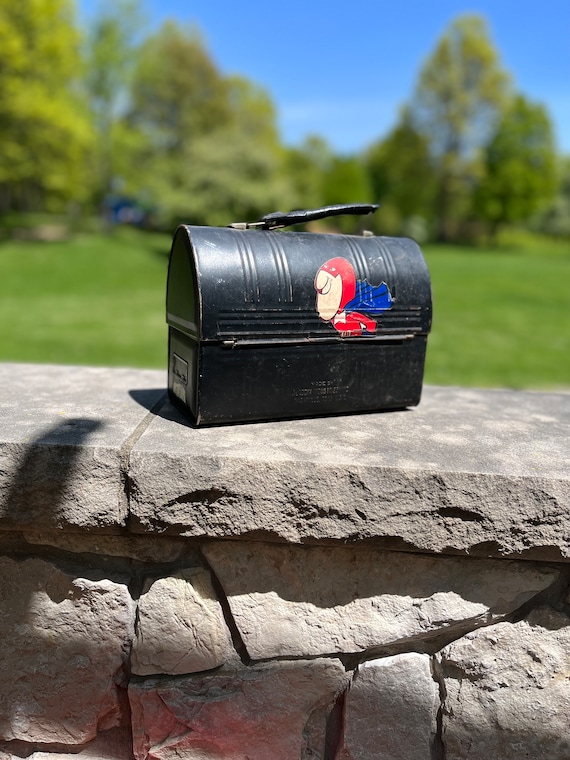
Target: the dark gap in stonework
pixel 462 514
pixel 237 640
pixel 334 730
pixel 556 596
pixel 208 497
pixel 438 750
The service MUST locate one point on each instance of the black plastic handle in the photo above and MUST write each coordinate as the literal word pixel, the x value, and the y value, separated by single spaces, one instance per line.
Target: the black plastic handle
pixel 300 216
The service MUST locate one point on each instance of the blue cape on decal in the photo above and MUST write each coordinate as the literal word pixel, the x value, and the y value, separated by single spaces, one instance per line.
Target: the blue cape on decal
pixel 370 299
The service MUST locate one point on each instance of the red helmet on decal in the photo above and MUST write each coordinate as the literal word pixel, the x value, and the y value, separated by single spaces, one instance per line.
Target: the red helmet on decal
pixel 343 268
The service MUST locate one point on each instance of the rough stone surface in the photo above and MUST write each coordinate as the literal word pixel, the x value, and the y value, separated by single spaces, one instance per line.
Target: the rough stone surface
pixel 508 691
pixel 63 432
pixel 64 643
pixel 98 471
pixel 180 626
pixel 484 472
pixel 275 712
pixel 390 710
pixel 298 601
pixel 472 470
pixel 114 744
pixel 141 548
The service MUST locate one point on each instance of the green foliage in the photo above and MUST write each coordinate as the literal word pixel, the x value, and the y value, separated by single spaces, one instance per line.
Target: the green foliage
pixel 208 148
pixel 45 135
pixel 346 181
pixel 237 167
pixel 305 166
pixel 219 178
pixel 466 155
pixel 177 91
pixel 520 166
pixel 554 219
pixel 319 177
pixel 110 53
pixel 461 93
pixel 402 179
pixel 152 117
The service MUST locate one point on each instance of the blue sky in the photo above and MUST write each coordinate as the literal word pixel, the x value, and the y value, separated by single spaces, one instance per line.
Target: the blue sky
pixel 342 70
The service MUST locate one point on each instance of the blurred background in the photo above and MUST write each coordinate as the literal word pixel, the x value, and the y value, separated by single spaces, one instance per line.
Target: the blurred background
pixel 121 119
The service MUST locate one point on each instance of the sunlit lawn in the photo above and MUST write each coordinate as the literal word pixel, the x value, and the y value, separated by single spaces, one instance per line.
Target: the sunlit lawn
pixel 501 317
pixel 93 300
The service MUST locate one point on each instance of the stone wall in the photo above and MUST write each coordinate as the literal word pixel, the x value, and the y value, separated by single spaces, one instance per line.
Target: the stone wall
pixel 379 586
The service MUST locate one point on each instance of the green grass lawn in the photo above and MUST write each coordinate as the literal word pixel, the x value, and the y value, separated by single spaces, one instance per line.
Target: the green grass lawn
pixel 95 299
pixel 501 317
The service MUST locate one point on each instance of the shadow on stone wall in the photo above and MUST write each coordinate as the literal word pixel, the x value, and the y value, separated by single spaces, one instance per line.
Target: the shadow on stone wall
pixel 38 488
pixel 47 650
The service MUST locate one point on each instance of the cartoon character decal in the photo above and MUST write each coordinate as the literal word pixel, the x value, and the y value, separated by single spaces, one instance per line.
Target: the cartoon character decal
pixel 347 302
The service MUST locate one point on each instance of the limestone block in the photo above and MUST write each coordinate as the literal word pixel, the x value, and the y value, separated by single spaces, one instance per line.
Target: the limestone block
pixel 64 643
pixel 275 711
pixel 142 548
pixel 181 627
pixel 390 710
pixel 65 433
pixel 469 470
pixel 508 691
pixel 114 744
pixel 54 481
pixel 299 601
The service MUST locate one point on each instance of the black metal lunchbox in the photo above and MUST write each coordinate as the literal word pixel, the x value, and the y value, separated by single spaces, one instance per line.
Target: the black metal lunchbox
pixel 266 325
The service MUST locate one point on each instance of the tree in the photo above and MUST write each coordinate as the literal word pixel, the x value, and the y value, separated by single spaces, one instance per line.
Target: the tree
pixel 110 55
pixel 520 166
pixel 305 166
pixel 208 150
pixel 460 96
pixel 347 181
pixel 45 133
pixel 238 168
pixel 177 91
pixel 177 97
pixel 402 177
pixel 554 219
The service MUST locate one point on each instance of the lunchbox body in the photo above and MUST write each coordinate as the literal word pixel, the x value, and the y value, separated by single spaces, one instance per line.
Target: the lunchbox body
pixel 272 325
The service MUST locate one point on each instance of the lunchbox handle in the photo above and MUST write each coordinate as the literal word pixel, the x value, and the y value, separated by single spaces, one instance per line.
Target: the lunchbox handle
pixel 279 219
